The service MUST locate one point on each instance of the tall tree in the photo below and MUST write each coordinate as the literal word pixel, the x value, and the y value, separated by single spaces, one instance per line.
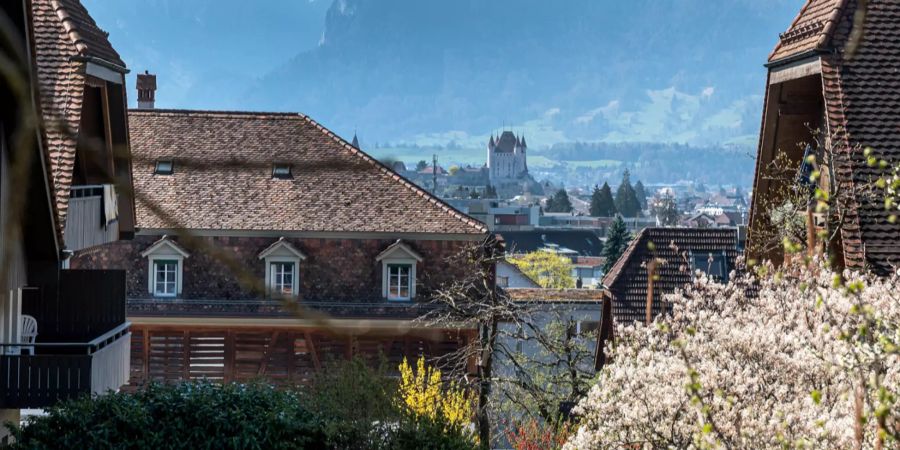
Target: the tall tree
pixel 602 203
pixel 641 194
pixel 626 200
pixel 617 239
pixel 421 165
pixel 559 202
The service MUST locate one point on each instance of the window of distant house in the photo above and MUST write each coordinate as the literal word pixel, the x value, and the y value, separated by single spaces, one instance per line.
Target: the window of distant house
pixel 503 281
pixel 282 171
pixel 164 167
pixel 713 264
pixel 165 277
pixel 165 266
pixel 398 263
pixel 282 278
pixel 282 261
pixel 399 281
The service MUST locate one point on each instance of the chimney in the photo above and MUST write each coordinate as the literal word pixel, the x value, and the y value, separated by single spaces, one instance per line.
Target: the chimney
pixel 146 87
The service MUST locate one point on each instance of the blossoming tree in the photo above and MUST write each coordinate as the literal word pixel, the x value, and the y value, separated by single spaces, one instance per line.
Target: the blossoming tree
pixel 793 358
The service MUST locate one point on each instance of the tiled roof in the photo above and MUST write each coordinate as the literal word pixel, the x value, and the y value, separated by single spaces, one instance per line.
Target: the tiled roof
pixel 810 30
pixel 222 178
pixel 64 32
pixel 627 280
pixel 556 295
pixel 862 100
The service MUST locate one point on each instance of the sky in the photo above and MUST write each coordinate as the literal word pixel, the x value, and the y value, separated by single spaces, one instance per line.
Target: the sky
pixel 442 72
pixel 202 48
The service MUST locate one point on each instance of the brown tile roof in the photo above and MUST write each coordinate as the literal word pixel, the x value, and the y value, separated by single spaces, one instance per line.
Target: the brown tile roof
pixel 222 178
pixel 810 30
pixel 627 280
pixel 63 34
pixel 862 101
pixel 556 295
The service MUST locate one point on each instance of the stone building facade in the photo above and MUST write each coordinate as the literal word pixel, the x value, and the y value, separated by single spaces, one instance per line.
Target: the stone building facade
pixel 506 158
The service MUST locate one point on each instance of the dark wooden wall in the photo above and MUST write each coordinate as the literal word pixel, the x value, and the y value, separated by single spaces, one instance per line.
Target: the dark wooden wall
pixel 282 356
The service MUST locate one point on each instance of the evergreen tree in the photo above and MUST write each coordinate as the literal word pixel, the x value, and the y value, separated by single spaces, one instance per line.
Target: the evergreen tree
pixel 626 200
pixel 559 202
pixel 602 203
pixel 641 194
pixel 617 239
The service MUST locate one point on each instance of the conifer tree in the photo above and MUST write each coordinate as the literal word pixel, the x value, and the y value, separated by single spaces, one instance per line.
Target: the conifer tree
pixel 626 200
pixel 617 239
pixel 602 203
pixel 559 202
pixel 641 194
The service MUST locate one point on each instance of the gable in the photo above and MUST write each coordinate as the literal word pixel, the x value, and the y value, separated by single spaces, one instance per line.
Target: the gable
pixel 399 250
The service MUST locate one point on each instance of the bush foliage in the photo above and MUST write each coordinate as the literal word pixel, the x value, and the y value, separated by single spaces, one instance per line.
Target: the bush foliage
pixel 347 406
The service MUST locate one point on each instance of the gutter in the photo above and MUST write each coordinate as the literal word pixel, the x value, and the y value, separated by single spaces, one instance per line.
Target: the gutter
pixel 794 58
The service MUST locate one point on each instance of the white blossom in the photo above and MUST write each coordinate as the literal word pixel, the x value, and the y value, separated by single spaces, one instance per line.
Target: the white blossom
pixel 784 368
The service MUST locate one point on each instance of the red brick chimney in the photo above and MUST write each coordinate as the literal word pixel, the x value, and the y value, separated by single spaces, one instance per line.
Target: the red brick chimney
pixel 146 87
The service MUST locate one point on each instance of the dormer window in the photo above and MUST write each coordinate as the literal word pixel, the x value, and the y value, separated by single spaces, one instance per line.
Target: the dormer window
pixel 282 268
pixel 713 264
pixel 282 172
pixel 398 273
pixel 164 167
pixel 165 267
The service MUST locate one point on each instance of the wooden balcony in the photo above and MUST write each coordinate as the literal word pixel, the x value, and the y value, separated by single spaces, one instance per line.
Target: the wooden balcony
pixel 86 224
pixel 83 342
pixel 64 370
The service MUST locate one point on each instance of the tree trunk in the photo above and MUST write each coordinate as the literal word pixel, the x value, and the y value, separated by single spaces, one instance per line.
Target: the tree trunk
pixel 485 372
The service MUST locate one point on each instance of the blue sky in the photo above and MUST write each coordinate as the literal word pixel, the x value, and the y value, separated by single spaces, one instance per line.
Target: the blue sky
pixel 426 72
pixel 202 48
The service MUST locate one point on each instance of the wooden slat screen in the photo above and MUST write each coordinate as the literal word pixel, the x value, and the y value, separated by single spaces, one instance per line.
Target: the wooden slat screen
pixel 278 356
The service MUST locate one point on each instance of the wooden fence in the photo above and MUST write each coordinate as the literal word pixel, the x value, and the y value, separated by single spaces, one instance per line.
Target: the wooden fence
pixel 279 356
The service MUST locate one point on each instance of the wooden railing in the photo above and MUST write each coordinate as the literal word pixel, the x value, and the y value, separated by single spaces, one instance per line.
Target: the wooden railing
pixel 65 370
pixel 85 224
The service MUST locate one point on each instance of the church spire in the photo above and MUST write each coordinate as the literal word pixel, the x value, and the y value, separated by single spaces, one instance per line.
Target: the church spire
pixel 355 142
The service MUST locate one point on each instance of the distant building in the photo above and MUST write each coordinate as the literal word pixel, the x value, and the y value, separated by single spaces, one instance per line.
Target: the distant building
pixel 506 158
pixel 679 253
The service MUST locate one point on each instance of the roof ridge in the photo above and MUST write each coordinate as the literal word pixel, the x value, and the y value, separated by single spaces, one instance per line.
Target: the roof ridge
pixel 68 24
pixel 214 113
pixel 389 173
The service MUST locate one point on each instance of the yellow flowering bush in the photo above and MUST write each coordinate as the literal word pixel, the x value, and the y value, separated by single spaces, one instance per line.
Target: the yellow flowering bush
pixel 424 394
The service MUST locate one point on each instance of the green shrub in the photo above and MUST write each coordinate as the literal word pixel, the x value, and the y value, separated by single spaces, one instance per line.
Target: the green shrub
pixel 347 406
pixel 189 415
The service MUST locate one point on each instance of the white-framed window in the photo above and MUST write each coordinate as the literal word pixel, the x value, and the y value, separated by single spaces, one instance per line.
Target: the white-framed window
pixel 282 269
pixel 165 277
pixel 398 279
pixel 282 276
pixel 165 268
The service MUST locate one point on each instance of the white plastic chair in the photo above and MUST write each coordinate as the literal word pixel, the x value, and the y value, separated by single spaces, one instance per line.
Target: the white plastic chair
pixel 29 332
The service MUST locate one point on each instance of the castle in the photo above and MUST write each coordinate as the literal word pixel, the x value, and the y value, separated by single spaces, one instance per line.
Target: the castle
pixel 506 158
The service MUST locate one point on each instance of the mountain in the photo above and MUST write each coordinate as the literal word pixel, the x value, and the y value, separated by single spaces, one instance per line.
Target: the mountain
pixel 432 72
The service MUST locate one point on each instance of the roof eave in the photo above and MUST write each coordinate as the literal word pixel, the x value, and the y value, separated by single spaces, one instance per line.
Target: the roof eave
pixel 808 54
pixel 101 62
